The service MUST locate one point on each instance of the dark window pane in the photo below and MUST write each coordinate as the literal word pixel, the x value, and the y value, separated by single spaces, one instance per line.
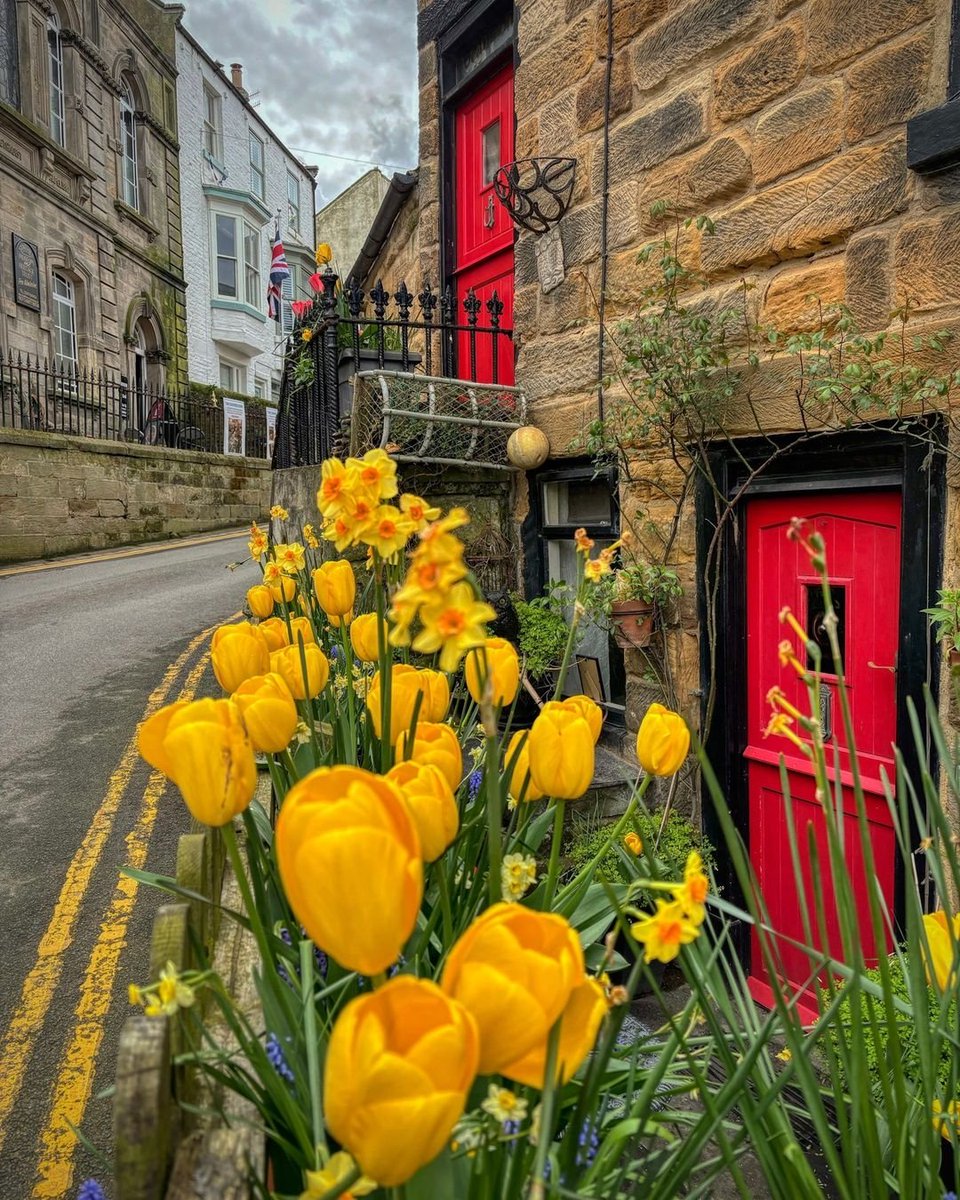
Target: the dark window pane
pixel 227 277
pixel 491 151
pixel 817 630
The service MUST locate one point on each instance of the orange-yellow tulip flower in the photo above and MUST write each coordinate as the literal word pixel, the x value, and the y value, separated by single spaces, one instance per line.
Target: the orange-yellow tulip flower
pixel 288 664
pixel 301 627
pixel 943 937
pixel 579 1026
pixel 349 858
pixel 662 741
pixel 203 747
pixel 519 782
pixel 584 707
pixel 335 586
pixel 497 665
pixel 275 631
pixel 363 637
pixel 260 600
pixel 436 694
pixel 399 1066
pixel 437 744
pixel 430 799
pixel 268 711
pixel 514 970
pixel 237 652
pixel 560 746
pixel 404 691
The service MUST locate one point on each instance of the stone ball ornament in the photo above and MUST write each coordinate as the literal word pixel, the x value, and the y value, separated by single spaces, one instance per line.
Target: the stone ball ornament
pixel 528 447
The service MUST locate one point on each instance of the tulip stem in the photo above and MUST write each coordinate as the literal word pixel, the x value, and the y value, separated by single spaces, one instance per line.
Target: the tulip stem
pixel 545 1137
pixel 494 820
pixel 307 963
pixel 351 695
pixel 253 914
pixel 554 868
pixel 447 911
pixel 379 979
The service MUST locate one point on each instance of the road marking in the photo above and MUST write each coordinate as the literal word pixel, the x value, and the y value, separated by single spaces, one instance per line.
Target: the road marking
pixel 38 989
pixel 75 1071
pixel 79 560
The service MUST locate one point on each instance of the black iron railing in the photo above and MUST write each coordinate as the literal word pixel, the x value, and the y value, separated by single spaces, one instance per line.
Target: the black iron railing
pixel 349 331
pixel 39 396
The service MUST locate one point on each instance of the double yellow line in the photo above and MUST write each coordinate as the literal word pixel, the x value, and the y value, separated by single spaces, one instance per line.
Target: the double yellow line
pixel 75 1071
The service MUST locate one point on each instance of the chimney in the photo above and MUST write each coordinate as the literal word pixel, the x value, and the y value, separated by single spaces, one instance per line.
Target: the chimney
pixel 236 77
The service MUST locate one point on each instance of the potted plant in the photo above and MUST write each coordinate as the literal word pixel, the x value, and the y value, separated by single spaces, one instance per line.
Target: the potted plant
pixel 639 591
pixel 945 615
pixel 542 631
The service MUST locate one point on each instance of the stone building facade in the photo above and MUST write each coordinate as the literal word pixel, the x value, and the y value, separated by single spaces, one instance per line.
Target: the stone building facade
pixel 237 181
pixel 345 222
pixel 91 273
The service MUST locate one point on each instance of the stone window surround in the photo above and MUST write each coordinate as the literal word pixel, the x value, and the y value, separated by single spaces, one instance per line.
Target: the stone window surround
pixel 56 91
pixel 933 137
pixel 86 299
pixel 63 321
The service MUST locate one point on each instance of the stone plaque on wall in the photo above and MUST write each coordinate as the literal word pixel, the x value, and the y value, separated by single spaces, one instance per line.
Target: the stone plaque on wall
pixel 26 273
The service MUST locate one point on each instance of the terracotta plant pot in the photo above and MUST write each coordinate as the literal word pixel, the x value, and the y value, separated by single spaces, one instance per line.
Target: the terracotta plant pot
pixel 953 659
pixel 633 623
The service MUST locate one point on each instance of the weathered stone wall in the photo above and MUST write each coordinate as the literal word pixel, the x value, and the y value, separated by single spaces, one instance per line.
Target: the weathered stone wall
pixel 61 494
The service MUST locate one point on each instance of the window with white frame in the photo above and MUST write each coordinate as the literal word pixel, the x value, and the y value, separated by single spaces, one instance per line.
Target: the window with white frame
pixel 287 293
pixel 258 178
pixel 64 314
pixel 233 376
pixel 260 387
pixel 238 249
pixel 130 189
pixel 293 203
pixel 212 123
pixel 9 54
pixel 55 67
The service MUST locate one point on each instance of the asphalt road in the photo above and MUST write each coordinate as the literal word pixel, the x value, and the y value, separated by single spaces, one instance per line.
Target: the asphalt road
pixel 85 650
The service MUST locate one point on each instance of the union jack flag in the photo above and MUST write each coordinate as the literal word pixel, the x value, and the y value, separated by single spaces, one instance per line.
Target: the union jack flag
pixel 279 271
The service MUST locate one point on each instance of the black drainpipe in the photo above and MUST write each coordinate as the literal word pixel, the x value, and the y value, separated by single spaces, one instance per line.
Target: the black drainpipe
pixel 605 206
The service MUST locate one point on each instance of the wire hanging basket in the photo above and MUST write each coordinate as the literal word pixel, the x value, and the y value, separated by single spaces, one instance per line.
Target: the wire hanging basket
pixel 536 192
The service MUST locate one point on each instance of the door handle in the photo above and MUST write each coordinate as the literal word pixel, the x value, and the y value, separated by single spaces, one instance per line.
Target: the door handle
pixel 881 667
pixel 488 217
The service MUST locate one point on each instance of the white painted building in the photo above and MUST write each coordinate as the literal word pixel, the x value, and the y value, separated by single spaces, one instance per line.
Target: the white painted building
pixel 235 176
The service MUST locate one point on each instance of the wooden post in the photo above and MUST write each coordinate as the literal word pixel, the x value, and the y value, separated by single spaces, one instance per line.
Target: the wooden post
pixel 142 1109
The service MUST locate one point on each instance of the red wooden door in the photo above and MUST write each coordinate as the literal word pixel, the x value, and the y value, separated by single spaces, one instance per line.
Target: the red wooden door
pixel 484 233
pixel 862 536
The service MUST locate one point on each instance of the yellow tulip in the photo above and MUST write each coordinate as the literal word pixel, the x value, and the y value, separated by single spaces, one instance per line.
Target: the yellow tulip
pixel 579 1027
pixel 944 943
pixel 518 778
pixel 324 254
pixel 275 631
pixel 514 970
pixel 349 858
pixel 336 622
pixel 436 694
pixel 404 690
pixel 237 652
pixel 285 588
pixel 335 586
pixel 301 627
pixel 363 637
pixel 288 665
pixel 662 741
pixel 203 747
pixel 260 600
pixel 497 665
pixel 584 707
pixel 560 746
pixel 435 744
pixel 268 711
pixel 430 800
pixel 399 1065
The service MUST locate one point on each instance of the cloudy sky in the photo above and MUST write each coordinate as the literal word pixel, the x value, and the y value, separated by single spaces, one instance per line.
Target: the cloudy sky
pixel 334 76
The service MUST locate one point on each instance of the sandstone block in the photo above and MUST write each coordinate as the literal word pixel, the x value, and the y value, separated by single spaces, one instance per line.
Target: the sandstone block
pixel 860 188
pixel 720 169
pixel 764 69
pixel 580 233
pixel 568 306
pixel 111 508
pixel 927 261
pixel 629 276
pixel 559 366
pixel 558 124
pixel 840 29
pixel 689 32
pixel 629 17
pixel 868 280
pixel 525 302
pixel 888 87
pixel 799 130
pixel 526 139
pixel 563 61
pixel 657 134
pixel 591 95
pixel 797 296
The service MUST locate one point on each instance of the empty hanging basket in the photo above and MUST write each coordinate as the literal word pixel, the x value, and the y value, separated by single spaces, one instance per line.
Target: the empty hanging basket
pixel 536 192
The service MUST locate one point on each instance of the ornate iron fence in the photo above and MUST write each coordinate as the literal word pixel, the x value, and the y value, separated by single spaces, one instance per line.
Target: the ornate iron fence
pixel 344 334
pixel 35 395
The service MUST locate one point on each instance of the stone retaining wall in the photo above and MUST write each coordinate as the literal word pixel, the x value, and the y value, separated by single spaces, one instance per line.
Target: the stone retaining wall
pixel 62 494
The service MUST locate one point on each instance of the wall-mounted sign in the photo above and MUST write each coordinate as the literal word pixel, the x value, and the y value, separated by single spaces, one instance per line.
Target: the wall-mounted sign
pixel 26 273
pixel 234 426
pixel 271 430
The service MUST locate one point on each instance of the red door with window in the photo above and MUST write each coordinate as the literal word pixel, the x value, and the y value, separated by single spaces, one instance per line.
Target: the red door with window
pixel 483 131
pixel 862 536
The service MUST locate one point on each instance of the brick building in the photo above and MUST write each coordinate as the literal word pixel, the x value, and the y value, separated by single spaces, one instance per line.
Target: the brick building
pixel 91 274
pixel 237 180
pixel 821 140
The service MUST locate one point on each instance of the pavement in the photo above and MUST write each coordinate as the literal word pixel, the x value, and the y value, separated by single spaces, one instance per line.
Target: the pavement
pixel 89 647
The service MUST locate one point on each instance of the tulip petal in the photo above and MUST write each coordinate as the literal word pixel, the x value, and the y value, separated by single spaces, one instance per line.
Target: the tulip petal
pixel 151 735
pixel 392 1140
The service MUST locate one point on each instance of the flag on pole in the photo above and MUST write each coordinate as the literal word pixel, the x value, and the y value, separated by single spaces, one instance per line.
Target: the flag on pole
pixel 279 271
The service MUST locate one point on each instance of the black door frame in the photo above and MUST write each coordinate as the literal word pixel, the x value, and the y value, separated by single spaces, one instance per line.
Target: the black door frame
pixel 857 459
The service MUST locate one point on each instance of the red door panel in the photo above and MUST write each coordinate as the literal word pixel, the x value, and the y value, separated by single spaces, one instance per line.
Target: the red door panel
pixel 862 534
pixel 483 130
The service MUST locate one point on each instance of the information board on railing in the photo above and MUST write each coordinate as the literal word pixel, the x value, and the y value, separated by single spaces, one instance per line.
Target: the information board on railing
pixel 271 415
pixel 234 426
